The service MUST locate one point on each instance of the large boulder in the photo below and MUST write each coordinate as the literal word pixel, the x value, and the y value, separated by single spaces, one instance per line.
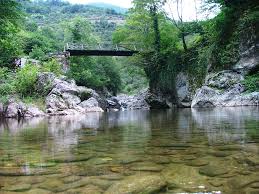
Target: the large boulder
pixel 66 98
pixel 224 89
pixel 156 101
pixel 14 109
pixel 45 82
pixel 144 100
pixel 91 105
pixel 134 102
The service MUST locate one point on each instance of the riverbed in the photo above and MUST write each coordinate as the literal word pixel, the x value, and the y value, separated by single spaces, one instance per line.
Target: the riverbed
pixel 169 151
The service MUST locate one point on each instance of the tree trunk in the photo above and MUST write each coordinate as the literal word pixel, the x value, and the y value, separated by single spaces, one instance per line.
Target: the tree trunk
pixel 156 62
pixel 157 41
pixel 184 42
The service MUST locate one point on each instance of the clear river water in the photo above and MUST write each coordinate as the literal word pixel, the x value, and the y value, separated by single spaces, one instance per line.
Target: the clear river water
pixel 173 151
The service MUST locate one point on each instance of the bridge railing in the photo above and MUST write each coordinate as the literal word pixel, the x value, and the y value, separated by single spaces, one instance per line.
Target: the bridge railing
pixel 101 46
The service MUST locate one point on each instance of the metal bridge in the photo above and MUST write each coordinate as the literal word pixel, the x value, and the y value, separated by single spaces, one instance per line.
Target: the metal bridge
pixel 102 49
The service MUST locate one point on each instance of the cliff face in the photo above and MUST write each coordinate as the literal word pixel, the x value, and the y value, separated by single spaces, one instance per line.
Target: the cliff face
pixel 227 87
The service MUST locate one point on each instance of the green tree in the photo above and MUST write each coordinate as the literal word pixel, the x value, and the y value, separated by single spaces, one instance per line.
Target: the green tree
pixel 148 27
pixel 10 16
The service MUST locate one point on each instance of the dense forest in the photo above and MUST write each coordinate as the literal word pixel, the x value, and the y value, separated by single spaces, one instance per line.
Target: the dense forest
pixel 169 44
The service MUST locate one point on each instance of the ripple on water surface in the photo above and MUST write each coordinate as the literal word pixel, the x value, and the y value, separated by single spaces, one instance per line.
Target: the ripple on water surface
pixel 174 151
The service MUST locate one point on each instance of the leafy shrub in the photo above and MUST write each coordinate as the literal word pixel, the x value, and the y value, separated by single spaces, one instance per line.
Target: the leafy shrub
pixel 95 73
pixel 6 82
pixel 251 82
pixel 4 74
pixel 52 66
pixel 37 53
pixel 26 80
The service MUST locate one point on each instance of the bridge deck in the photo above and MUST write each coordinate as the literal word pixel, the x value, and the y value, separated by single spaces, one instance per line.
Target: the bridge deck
pixel 100 53
pixel 100 50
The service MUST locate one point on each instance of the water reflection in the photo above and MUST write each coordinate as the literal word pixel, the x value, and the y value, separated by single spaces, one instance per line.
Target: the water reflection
pixel 223 124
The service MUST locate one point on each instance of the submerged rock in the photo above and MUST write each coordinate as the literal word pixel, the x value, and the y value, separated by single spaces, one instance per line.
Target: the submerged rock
pixel 240 182
pixel 252 160
pixel 197 162
pixel 71 179
pixel 138 184
pixel 184 177
pixel 38 191
pixel 89 189
pixel 15 171
pixel 212 171
pixel 221 153
pixel 70 159
pixel 53 185
pixel 17 188
pixel 147 166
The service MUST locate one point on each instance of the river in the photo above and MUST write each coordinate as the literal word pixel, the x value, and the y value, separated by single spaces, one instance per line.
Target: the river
pixel 173 151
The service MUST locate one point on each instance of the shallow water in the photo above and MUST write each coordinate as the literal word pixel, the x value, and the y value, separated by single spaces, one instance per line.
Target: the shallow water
pixel 175 151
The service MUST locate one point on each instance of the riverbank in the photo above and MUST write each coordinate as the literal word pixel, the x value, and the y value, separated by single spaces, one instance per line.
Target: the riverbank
pixel 66 98
pixel 62 96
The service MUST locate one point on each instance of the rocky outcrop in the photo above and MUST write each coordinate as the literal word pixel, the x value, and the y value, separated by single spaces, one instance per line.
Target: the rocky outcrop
pixel 66 98
pixel 184 95
pixel 144 100
pixel 156 100
pixel 225 88
pixel 134 102
pixel 14 109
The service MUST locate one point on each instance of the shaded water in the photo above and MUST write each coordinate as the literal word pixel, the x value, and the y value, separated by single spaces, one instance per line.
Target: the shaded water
pixel 175 151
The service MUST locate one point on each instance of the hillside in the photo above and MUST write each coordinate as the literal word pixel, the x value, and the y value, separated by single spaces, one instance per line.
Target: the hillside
pixel 109 6
pixel 103 17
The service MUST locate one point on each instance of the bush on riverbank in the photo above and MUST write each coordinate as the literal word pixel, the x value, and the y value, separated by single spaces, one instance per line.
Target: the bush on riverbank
pixel 251 82
pixel 21 83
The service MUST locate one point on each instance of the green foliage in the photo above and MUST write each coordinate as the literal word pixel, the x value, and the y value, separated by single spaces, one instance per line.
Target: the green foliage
pixel 52 66
pixel 26 79
pixel 227 29
pixel 133 77
pixel 6 82
pixel 37 53
pixel 251 82
pixel 10 15
pixel 52 15
pixel 163 52
pixel 95 73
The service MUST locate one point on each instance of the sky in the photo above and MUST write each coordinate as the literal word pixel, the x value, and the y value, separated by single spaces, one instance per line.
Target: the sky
pixel 121 3
pixel 189 12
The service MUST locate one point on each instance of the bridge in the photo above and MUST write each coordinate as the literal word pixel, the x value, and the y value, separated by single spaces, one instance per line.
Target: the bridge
pixel 100 49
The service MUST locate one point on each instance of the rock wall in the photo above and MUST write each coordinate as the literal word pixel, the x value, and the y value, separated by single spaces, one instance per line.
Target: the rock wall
pixel 184 94
pixel 225 88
